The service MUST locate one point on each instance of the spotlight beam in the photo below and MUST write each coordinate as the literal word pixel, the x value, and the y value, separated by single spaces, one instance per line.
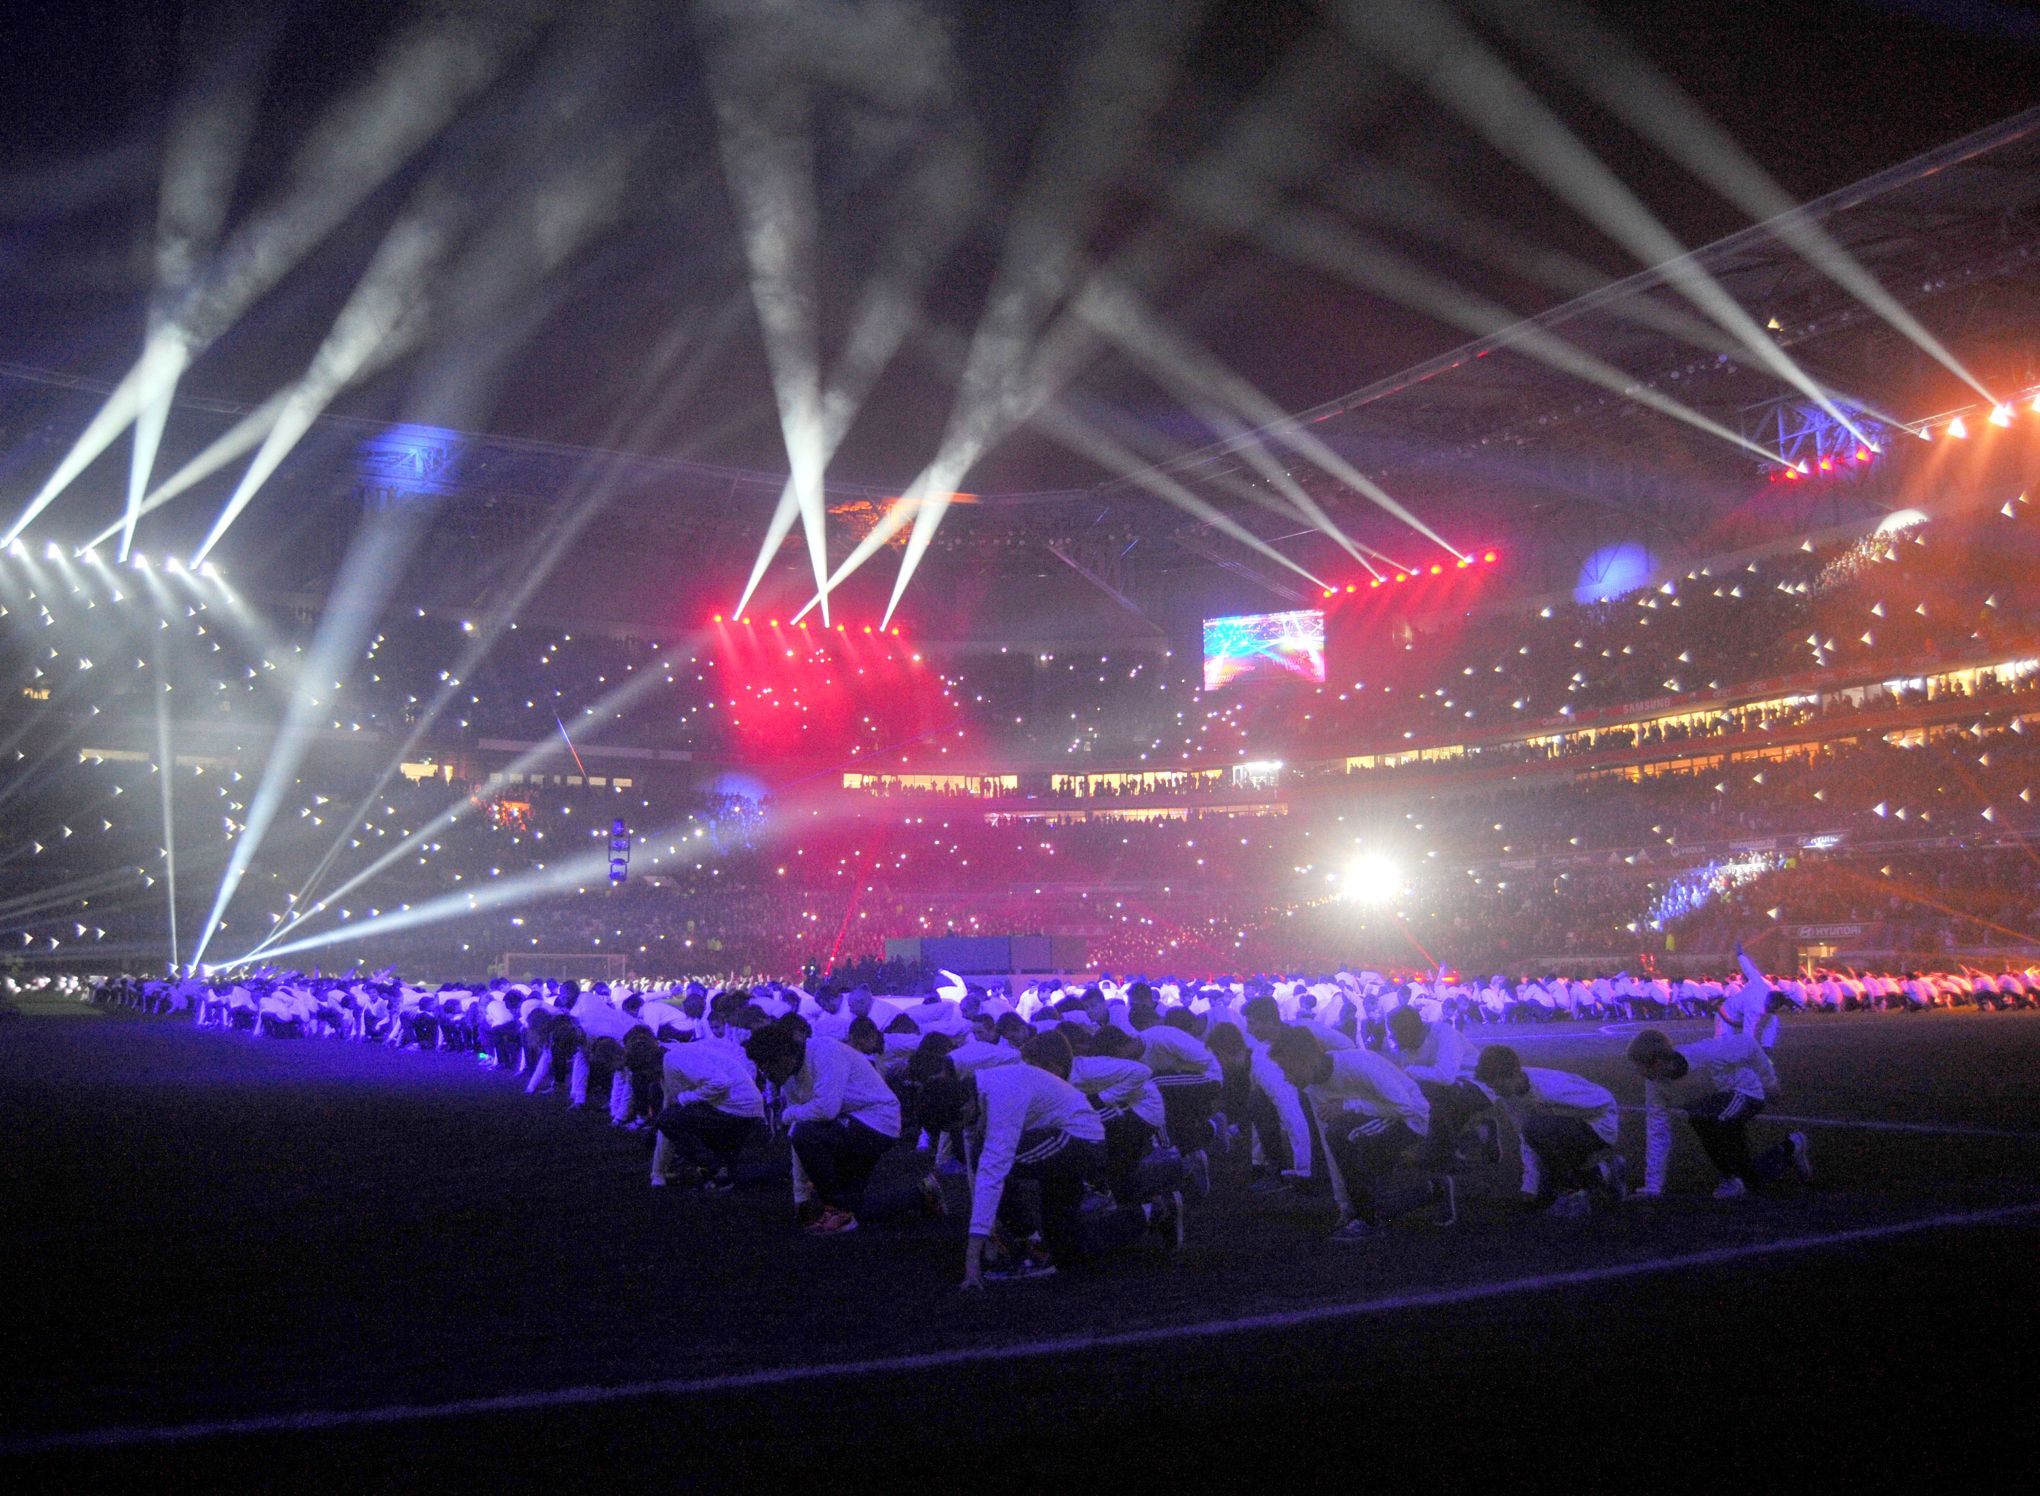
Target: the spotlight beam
pixel 767 144
pixel 1392 199
pixel 895 519
pixel 1229 428
pixel 385 308
pixel 1114 89
pixel 238 440
pixel 1430 44
pixel 577 870
pixel 888 308
pixel 162 361
pixel 149 423
pixel 661 395
pixel 208 135
pixel 1628 86
pixel 1317 240
pixel 768 159
pixel 1179 362
pixel 621 698
pixel 373 565
pixel 66 894
pixel 1270 135
pixel 429 74
pixel 571 200
pixel 1085 438
pixel 167 760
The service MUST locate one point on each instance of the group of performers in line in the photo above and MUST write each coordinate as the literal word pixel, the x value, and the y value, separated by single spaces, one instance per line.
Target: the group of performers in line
pixel 1107 1102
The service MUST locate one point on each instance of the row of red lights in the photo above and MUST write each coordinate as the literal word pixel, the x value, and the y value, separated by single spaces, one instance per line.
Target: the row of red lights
pixel 841 628
pixel 1826 465
pixel 1439 570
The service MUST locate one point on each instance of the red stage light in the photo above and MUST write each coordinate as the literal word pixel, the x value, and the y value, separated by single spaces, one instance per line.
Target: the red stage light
pixel 718 618
pixel 896 633
pixel 867 628
pixel 1328 592
pixel 1349 589
pixel 1465 561
pixel 1489 556
pixel 1792 475
pixel 1375 583
pixel 1402 576
pixel 1437 571
pixel 1827 464
pixel 1862 454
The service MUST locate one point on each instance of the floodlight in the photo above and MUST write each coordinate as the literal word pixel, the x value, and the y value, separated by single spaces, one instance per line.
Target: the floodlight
pixel 1372 879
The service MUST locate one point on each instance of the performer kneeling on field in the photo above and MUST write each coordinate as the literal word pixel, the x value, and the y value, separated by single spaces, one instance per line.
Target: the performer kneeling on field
pixel 1720 1084
pixel 1371 1115
pixel 1568 1126
pixel 1128 1102
pixel 842 1117
pixel 1031 1124
pixel 713 1110
pixel 1431 1054
pixel 1191 1082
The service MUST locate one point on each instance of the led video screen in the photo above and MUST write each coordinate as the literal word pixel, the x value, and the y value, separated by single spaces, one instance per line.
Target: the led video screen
pixel 1265 647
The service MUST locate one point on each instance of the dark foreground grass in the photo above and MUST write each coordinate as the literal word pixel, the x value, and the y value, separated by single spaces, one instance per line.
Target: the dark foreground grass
pixel 206 1228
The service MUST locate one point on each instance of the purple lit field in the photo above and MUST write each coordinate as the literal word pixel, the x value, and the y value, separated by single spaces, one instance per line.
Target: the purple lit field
pixel 339 1257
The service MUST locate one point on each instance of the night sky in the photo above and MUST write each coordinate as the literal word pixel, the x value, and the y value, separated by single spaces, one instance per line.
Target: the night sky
pixel 538 331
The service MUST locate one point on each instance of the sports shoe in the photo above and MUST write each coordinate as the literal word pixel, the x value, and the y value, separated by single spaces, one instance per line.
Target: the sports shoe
pixel 1614 1174
pixel 1221 1132
pixel 1355 1230
pixel 1571 1206
pixel 1020 1270
pixel 833 1222
pixel 1268 1184
pixel 1802 1156
pixel 721 1184
pixel 658 1183
pixel 1730 1188
pixel 1446 1190
pixel 1198 1165
pixel 1489 1134
pixel 1166 1218
pixel 931 1201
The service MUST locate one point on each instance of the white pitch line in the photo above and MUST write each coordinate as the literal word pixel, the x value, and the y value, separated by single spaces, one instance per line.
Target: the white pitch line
pixel 779 1376
pixel 1929 1129
pixel 1865 1124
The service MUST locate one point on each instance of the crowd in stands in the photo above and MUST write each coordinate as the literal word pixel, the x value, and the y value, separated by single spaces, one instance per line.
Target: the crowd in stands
pixel 1892 603
pixel 1920 842
pixel 1905 826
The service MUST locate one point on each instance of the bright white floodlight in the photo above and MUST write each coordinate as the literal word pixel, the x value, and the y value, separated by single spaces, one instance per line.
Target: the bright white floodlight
pixel 1372 879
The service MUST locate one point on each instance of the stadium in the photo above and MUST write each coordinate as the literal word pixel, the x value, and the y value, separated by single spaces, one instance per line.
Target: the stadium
pixel 1341 700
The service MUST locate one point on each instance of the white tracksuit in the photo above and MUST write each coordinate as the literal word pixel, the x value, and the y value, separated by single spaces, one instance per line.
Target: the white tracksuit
pixel 1560 1093
pixel 719 1074
pixel 1736 1063
pixel 1014 1099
